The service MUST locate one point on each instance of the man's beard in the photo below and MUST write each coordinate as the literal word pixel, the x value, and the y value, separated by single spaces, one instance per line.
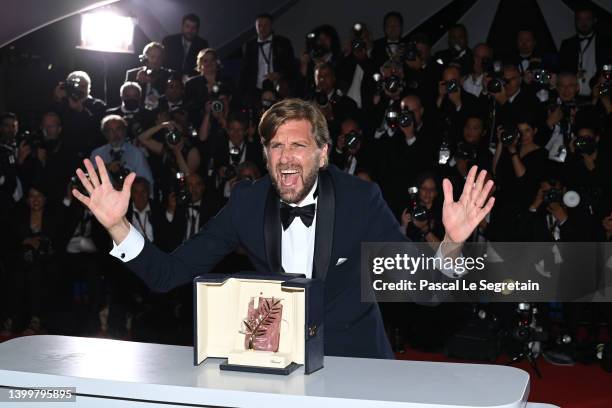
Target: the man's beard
pixel 291 196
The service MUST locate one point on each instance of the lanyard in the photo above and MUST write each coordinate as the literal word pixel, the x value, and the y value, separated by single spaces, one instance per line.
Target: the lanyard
pixel 583 51
pixel 194 215
pixel 143 226
pixel 267 58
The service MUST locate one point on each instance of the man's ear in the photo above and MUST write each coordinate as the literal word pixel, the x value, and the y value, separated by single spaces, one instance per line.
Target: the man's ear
pixel 324 159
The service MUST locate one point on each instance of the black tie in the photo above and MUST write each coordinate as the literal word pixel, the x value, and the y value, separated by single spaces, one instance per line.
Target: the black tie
pixel 288 214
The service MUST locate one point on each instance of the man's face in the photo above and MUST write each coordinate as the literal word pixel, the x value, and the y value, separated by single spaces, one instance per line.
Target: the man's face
pixel 189 30
pixel 324 80
pixel 294 160
pixel 140 196
pixel 568 87
pixel 115 133
pixel 457 37
pixel 512 80
pixel 390 69
pixel 263 26
pixel 472 131
pixel 154 58
pixel 393 28
pixel 414 105
pixel 51 126
pixel 481 53
pixel 236 132
pixel 174 90
pixel 130 94
pixel 525 42
pixel 428 192
pixel 9 129
pixel 424 51
pixel 585 22
pixel 196 187
pixel 247 173
pixel 451 73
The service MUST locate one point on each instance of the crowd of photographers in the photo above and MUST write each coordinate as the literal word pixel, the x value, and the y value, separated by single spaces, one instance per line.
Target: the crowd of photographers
pixel 399 116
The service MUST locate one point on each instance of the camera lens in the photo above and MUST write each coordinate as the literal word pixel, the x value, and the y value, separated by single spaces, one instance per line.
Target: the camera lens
pixel 173 137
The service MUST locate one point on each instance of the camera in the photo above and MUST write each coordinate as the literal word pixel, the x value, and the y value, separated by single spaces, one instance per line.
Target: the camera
pixel 321 98
pixel 173 137
pixel 73 89
pixel 216 104
pixel 406 118
pixel 452 86
pixel 32 139
pixel 357 43
pixel 553 195
pixel 352 138
pixel 417 211
pixel 585 145
pixel 313 48
pixel 410 51
pixel 392 84
pixel 466 151
pixel 509 135
pixel 118 177
pixel 31 254
pixel 180 189
pixel 605 89
pixel 7 161
pixel 541 77
pixel 378 83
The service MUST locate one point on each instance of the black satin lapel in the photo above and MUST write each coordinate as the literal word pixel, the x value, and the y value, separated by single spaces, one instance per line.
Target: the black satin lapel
pixel 272 232
pixel 324 234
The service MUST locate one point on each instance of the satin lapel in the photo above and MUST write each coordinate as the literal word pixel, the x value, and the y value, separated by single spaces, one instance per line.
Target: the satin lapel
pixel 324 234
pixel 272 232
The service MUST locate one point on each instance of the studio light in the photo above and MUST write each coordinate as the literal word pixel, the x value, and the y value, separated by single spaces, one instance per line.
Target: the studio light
pixel 106 31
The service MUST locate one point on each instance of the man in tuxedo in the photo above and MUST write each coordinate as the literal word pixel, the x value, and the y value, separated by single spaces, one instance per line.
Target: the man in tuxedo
pixel 267 57
pixel 181 49
pixel 138 119
pixel 388 46
pixel 152 76
pixel 145 215
pixel 309 215
pixel 586 51
pixel 458 53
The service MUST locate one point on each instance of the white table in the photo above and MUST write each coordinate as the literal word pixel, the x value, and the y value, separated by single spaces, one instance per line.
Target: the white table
pixel 112 373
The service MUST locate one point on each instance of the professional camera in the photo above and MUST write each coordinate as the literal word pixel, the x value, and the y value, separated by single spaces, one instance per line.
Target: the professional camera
pixel 553 195
pixel 73 89
pixel 410 51
pixel 509 135
pixel 118 177
pixel 493 69
pixel 216 104
pixel 352 138
pixel 32 139
pixel 452 86
pixel 405 118
pixel 173 137
pixel 357 43
pixel 466 151
pixel 7 161
pixel 585 145
pixel 321 98
pixel 31 254
pixel 417 211
pixel 313 48
pixel 180 189
pixel 541 77
pixel 378 83
pixel 605 89
pixel 392 84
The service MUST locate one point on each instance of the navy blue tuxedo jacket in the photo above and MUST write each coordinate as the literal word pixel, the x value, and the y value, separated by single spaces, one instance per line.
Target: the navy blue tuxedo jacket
pixel 349 211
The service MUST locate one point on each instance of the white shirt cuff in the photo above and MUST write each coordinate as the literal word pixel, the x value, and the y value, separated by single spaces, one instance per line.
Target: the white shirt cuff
pixel 169 216
pixel 130 247
pixel 449 272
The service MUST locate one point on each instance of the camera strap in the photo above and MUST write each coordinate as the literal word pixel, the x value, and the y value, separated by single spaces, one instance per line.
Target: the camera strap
pixel 142 225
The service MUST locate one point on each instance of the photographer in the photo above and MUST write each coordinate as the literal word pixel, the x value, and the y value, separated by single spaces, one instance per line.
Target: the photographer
pixel 357 67
pixel 421 73
pixel 388 47
pixel 422 219
pixel 331 101
pixel 211 84
pixel 474 82
pixel 80 114
pixel 458 53
pixel 389 85
pixel 349 154
pixel 174 95
pixel 42 157
pixel 518 166
pixel 602 99
pixel 10 186
pixel 322 46
pixel 145 215
pixel 130 109
pixel 152 76
pixel 119 156
pixel 548 218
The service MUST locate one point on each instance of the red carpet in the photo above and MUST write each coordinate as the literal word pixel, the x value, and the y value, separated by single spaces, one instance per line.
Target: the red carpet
pixel 579 386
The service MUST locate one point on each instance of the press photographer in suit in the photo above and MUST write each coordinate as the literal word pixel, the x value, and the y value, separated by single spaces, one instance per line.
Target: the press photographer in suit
pixel 309 215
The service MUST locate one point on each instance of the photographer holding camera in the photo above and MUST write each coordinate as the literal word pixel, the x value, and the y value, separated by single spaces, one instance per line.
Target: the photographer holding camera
pixel 80 114
pixel 458 53
pixel 357 67
pixel 334 105
pixel 322 46
pixel 10 186
pixel 474 83
pixel 131 110
pixel 348 153
pixel 388 47
pixel 389 88
pixel 518 166
pixel 152 76
pixel 121 157
pixel 421 72
pixel 422 218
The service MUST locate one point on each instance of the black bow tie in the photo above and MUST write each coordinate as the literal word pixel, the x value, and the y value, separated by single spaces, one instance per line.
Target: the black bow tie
pixel 288 214
pixel 262 43
pixel 588 38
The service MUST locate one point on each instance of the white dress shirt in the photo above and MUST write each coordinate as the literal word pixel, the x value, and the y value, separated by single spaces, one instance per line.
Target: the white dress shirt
pixel 141 220
pixel 586 62
pixel 264 52
pixel 354 92
pixel 298 241
pixel 473 85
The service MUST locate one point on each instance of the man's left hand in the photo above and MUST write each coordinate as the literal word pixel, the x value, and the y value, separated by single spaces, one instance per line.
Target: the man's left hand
pixel 462 217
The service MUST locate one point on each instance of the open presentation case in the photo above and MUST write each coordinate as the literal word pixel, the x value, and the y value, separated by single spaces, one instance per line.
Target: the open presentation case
pixel 260 323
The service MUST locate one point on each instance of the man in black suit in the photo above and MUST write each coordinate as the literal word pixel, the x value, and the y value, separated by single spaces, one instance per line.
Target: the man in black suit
pixel 267 57
pixel 138 119
pixel 586 51
pixel 389 46
pixel 458 52
pixel 278 237
pixel 152 76
pixel 182 49
pixel 145 215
